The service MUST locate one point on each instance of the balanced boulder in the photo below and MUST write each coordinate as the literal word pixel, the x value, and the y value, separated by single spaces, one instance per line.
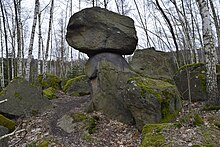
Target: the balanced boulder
pixel 95 30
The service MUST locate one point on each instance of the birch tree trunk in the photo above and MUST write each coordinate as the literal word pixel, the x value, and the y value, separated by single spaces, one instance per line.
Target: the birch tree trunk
pixel 2 58
pixel 17 7
pixel 217 24
pixel 39 43
pixel 48 38
pixel 30 49
pixel 210 55
pixel 6 42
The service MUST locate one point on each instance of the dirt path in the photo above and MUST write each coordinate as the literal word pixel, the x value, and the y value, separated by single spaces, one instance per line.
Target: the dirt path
pixel 44 128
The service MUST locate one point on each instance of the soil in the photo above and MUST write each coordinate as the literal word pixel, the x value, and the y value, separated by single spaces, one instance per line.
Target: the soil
pixel 43 129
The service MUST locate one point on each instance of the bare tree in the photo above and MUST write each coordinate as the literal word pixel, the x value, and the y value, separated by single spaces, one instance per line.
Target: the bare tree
pixel 216 22
pixel 48 38
pixel 30 49
pixel 17 7
pixel 170 27
pixel 6 41
pixel 210 54
pixel 2 57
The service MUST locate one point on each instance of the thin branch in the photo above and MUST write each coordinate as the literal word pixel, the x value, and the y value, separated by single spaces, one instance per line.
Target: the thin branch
pixel 12 133
pixel 2 101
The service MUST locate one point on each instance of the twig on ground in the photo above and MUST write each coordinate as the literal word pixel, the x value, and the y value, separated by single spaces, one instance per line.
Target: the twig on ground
pixel 12 133
pixel 2 101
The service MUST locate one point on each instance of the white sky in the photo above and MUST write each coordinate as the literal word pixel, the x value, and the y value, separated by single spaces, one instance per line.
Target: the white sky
pixel 59 12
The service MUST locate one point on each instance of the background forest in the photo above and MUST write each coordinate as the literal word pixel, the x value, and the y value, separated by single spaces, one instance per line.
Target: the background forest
pixel 33 32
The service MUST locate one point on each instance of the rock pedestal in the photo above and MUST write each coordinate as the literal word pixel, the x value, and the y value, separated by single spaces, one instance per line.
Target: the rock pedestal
pixel 105 36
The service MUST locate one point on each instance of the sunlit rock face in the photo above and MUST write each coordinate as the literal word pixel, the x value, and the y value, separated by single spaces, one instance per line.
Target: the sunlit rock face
pixel 96 30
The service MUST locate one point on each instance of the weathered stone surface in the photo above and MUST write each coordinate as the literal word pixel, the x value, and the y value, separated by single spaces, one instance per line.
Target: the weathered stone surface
pixel 196 73
pixel 120 94
pixel 78 86
pixel 91 67
pixel 3 131
pixel 95 30
pixel 151 101
pixel 152 63
pixel 107 81
pixel 24 99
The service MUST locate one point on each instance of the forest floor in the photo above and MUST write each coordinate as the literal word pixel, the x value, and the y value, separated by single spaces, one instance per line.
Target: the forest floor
pixel 194 127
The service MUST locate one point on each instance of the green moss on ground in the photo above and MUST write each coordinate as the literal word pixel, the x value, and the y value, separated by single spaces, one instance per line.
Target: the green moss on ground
pixel 193 118
pixel 50 93
pixel 71 81
pixel 49 81
pixel 152 135
pixel 44 143
pixel 4 121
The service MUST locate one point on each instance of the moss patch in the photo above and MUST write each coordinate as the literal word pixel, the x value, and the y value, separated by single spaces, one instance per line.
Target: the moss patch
pixel 44 143
pixel 49 81
pixel 89 122
pixel 71 81
pixel 153 135
pixel 7 123
pixel 192 118
pixel 165 93
pixel 50 93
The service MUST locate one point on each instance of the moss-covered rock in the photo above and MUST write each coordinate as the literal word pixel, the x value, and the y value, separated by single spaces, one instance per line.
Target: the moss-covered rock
pixel 23 99
pixel 78 122
pixel 50 93
pixel 152 135
pixel 77 86
pixel 4 121
pixel 151 100
pixel 197 81
pixel 108 74
pixel 49 80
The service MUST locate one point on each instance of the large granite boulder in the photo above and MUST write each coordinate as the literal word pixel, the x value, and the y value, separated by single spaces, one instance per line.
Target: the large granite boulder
pixel 152 63
pixel 24 99
pixel 107 81
pixel 121 94
pixel 95 30
pixel 195 75
pixel 151 101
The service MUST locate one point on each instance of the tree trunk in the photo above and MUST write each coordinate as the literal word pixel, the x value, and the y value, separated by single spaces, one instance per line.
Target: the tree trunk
pixel 19 38
pixel 217 25
pixel 2 57
pixel 6 42
pixel 171 30
pixel 210 54
pixel 30 50
pixel 48 38
pixel 39 43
